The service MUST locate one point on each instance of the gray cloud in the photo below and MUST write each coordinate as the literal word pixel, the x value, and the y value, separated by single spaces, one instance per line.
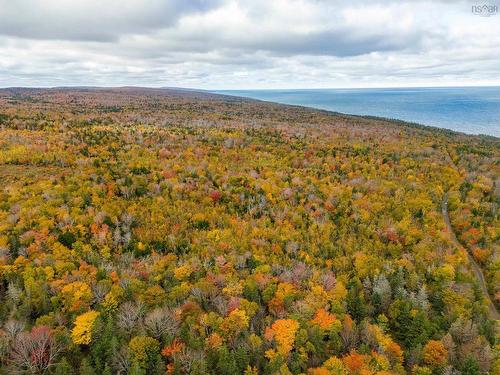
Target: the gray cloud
pixel 240 44
pixel 92 20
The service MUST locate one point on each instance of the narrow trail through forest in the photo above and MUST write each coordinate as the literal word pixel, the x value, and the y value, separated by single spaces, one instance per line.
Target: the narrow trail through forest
pixel 475 267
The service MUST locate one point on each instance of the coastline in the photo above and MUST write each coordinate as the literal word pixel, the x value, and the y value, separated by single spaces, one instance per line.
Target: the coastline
pixel 263 95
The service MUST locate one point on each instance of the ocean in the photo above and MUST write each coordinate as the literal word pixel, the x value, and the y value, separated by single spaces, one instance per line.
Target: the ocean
pixel 472 110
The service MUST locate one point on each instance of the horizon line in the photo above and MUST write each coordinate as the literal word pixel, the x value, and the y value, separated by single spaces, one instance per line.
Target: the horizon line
pixel 242 89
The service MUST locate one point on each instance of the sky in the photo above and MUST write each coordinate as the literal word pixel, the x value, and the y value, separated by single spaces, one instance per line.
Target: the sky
pixel 247 44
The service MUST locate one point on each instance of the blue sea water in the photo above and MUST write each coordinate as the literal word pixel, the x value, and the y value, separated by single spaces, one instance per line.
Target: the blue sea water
pixel 472 110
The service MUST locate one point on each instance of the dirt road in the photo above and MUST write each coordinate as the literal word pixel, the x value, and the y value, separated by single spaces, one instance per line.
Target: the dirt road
pixel 475 267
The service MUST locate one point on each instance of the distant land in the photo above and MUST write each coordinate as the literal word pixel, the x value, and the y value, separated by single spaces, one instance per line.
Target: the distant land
pixel 472 110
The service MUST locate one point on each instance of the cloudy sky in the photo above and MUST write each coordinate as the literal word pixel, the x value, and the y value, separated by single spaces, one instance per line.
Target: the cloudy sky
pixel 224 44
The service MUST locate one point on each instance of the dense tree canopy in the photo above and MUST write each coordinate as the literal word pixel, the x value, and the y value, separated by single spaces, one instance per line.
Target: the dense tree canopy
pixel 146 232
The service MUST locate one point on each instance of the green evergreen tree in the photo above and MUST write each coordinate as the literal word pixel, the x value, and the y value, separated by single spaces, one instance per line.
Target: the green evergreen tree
pixel 104 344
pixel 226 363
pixel 408 328
pixel 469 366
pixel 63 368
pixel 356 304
pixel 107 370
pixel 86 368
pixel 136 369
pixel 242 359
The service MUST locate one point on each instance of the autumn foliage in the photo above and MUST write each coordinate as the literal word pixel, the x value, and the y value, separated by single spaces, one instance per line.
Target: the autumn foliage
pixel 84 326
pixel 157 231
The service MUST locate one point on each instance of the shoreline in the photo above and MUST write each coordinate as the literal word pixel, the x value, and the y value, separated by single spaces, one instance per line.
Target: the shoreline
pixel 238 94
pixel 25 92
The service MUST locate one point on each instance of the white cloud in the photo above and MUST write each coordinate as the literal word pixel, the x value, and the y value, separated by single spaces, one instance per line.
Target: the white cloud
pixel 246 44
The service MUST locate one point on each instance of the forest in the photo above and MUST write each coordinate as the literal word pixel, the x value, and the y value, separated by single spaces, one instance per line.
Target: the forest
pixel 149 231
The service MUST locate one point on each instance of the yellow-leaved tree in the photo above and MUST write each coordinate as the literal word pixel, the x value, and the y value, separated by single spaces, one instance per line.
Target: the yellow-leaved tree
pixel 84 324
pixel 283 332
